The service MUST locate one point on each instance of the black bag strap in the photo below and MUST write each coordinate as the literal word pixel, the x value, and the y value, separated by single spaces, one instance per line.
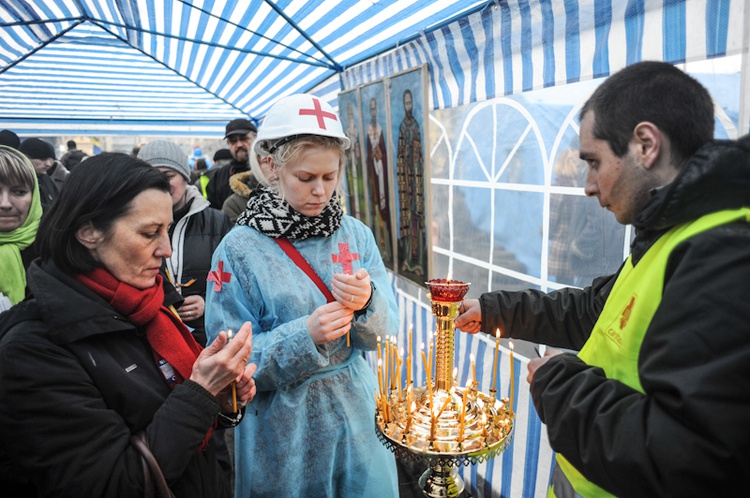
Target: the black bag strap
pixel 153 476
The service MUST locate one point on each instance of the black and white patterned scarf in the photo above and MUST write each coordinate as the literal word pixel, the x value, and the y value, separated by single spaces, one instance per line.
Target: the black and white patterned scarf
pixel 272 216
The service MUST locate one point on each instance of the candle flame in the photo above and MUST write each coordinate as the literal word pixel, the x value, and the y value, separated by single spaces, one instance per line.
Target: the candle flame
pixel 497 334
pixel 471 357
pixel 401 351
pixel 455 371
pixel 229 334
pixel 421 345
pixel 380 363
pixel 378 338
pixel 510 345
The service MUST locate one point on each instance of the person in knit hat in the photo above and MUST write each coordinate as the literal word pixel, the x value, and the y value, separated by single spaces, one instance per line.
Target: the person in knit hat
pixel 9 139
pixel 195 233
pixel 42 156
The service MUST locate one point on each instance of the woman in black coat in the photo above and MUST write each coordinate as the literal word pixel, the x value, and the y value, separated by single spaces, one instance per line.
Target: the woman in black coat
pixel 95 357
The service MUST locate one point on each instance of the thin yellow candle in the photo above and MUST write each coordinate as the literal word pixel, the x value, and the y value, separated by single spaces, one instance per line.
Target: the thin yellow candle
pixel 386 364
pixel 484 425
pixel 473 370
pixel 380 376
pixel 426 364
pixel 409 359
pixel 494 362
pixel 512 375
pixel 394 362
pixel 445 405
pixel 408 410
pixel 399 356
pixel 234 382
pixel 462 417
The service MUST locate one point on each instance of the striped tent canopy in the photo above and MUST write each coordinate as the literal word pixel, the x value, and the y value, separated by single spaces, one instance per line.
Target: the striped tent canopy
pixel 187 66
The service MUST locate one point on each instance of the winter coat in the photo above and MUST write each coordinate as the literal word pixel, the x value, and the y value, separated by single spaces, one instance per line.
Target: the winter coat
pixel 195 237
pixel 48 190
pixel 59 173
pixel 314 414
pixel 76 380
pixel 686 436
pixel 242 185
pixel 218 188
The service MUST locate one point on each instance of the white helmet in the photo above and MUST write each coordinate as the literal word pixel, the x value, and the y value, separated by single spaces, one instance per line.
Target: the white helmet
pixel 297 115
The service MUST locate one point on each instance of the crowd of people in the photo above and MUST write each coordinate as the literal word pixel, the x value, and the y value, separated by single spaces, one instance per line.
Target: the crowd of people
pixel 147 306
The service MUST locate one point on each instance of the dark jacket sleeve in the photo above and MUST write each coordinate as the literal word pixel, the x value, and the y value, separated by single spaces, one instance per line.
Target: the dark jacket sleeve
pixel 562 318
pixel 687 435
pixel 59 426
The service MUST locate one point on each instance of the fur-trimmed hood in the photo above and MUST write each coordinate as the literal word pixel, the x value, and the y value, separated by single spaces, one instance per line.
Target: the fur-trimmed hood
pixel 243 183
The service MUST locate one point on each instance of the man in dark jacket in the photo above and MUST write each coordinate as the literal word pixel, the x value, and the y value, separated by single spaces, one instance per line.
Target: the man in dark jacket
pixel 42 156
pixel 240 135
pixel 657 400
pixel 73 157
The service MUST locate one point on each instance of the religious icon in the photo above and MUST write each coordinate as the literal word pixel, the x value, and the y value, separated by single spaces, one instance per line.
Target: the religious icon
pixel 373 104
pixel 408 113
pixel 351 121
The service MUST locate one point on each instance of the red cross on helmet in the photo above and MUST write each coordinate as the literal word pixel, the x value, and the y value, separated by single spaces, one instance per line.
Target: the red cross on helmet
pixel 296 115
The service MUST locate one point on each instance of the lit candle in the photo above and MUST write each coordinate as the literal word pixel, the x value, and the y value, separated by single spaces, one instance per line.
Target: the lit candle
pixel 493 389
pixel 512 375
pixel 473 370
pixel 484 426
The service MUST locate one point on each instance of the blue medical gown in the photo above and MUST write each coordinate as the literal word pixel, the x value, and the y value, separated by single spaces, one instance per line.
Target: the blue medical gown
pixel 310 430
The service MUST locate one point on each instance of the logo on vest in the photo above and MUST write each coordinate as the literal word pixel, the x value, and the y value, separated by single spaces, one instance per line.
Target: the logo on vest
pixel 625 317
pixel 615 335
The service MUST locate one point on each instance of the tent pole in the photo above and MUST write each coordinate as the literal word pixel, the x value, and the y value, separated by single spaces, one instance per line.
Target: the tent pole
pixel 744 121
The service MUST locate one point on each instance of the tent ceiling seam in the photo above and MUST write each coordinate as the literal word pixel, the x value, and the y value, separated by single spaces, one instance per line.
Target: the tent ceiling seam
pixel 226 21
pixel 230 104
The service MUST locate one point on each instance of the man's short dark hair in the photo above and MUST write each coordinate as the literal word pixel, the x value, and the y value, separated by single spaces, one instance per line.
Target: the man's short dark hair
pixel 99 191
pixel 659 93
pixel 71 144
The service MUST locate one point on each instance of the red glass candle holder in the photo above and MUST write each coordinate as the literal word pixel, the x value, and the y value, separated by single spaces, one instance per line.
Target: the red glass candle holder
pixel 448 291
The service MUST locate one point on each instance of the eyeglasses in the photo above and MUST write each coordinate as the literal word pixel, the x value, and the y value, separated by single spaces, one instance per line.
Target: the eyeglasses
pixel 233 139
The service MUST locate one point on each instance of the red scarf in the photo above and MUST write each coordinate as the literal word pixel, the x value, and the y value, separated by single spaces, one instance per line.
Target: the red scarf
pixel 168 336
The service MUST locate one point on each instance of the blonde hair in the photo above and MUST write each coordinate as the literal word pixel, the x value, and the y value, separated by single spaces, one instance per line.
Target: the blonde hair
pixel 15 169
pixel 289 152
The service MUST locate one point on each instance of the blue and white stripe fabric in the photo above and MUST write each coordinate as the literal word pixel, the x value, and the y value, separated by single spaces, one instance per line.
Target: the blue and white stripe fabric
pixel 522 45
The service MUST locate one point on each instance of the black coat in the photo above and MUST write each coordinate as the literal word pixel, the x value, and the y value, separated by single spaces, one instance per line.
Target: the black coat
pixel 76 380
pixel 218 188
pixel 687 434
pixel 195 235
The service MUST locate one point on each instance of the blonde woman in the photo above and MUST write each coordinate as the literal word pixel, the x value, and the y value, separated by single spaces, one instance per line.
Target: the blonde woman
pixel 304 275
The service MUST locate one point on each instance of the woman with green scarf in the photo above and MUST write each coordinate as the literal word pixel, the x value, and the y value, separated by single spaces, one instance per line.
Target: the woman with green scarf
pixel 20 211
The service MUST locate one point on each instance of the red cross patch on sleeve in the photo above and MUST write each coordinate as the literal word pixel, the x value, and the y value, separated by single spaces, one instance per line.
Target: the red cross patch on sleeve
pixel 219 277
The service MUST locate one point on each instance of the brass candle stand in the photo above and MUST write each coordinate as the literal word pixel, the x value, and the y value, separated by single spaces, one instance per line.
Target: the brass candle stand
pixel 441 424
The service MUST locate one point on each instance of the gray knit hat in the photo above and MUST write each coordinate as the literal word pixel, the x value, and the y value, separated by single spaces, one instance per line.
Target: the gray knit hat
pixel 163 154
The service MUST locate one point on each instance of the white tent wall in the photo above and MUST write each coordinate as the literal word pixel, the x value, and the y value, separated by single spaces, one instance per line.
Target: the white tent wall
pixel 506 85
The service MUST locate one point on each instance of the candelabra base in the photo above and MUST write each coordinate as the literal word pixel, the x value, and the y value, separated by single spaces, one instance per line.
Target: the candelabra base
pixel 440 481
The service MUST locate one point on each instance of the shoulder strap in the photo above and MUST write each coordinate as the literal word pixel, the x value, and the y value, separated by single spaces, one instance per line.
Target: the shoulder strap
pixel 300 261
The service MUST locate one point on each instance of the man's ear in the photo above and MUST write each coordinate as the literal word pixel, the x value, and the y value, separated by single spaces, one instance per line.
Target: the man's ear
pixel 649 143
pixel 88 236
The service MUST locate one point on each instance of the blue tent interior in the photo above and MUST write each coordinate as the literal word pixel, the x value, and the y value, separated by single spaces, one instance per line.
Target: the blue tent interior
pixel 505 81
